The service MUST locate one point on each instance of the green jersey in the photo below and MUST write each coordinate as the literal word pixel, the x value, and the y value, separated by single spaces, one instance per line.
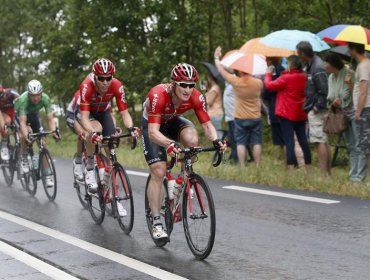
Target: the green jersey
pixel 24 106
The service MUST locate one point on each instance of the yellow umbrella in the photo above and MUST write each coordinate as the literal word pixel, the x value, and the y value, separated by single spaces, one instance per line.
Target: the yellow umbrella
pixel 254 46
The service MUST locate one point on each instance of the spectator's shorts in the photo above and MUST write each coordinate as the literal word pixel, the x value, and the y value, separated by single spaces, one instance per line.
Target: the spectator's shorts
pixel 248 132
pixel 155 153
pixel 316 125
pixel 363 126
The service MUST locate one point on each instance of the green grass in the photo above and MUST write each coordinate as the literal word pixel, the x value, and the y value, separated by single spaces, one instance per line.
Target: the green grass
pixel 271 172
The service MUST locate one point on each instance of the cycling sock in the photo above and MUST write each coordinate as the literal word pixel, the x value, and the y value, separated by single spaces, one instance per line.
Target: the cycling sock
pixel 156 219
pixel 78 159
pixel 90 163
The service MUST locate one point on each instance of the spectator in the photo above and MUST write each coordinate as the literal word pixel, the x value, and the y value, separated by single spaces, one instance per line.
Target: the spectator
pixel 247 111
pixel 290 87
pixel 228 99
pixel 339 96
pixel 270 97
pixel 214 104
pixel 315 104
pixel 361 98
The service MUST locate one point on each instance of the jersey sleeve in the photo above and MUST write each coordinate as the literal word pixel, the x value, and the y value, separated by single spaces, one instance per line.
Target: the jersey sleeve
pixel 200 110
pixel 156 103
pixel 47 103
pixel 120 97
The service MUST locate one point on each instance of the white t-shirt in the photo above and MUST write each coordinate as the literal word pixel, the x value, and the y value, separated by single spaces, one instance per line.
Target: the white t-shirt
pixel 362 74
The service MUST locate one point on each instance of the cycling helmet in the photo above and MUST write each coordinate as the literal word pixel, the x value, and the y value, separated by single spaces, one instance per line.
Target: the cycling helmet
pixel 103 67
pixel 34 87
pixel 184 72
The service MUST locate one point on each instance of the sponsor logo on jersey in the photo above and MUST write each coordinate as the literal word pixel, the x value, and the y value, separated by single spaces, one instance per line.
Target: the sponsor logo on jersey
pixel 203 101
pixel 154 102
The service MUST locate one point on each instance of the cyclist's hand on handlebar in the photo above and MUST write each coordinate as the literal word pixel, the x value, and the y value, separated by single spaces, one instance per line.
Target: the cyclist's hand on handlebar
pixel 118 131
pixel 173 149
pixel 220 144
pixel 96 138
pixel 135 131
pixel 82 136
pixel 56 136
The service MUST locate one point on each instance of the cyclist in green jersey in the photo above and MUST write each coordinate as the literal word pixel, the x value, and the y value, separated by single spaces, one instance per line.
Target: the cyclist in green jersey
pixel 27 108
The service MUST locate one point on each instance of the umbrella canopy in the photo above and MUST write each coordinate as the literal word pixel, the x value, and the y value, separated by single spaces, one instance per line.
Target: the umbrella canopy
pixel 343 33
pixel 343 51
pixel 254 64
pixel 288 39
pixel 255 46
pixel 214 72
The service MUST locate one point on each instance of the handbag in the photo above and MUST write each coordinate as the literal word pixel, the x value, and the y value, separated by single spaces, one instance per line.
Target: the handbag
pixel 335 122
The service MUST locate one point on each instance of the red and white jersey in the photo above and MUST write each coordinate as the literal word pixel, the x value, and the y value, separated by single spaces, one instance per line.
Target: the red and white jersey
pixel 73 105
pixel 158 106
pixel 92 102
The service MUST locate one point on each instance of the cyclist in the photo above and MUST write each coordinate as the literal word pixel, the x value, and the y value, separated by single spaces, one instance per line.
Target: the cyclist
pixel 97 92
pixel 7 96
pixel 163 124
pixel 27 108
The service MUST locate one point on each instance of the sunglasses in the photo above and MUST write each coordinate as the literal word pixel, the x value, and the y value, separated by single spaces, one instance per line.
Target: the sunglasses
pixel 102 79
pixel 185 85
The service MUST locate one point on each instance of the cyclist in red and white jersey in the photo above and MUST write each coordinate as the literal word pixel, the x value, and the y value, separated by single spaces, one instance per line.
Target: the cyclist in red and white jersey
pixel 7 111
pixel 97 92
pixel 163 125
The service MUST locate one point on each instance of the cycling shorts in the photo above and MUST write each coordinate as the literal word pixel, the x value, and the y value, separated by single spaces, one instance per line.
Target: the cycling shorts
pixel 106 121
pixel 155 153
pixel 70 119
pixel 10 112
pixel 34 121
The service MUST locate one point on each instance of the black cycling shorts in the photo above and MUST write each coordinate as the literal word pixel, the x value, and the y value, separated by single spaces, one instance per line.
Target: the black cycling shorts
pixel 106 121
pixel 155 153
pixel 70 119
pixel 34 121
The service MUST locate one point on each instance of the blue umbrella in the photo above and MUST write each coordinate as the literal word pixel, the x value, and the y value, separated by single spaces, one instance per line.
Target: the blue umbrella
pixel 288 39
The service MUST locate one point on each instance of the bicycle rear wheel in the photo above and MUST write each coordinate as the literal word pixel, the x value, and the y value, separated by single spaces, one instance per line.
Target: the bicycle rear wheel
pixel 123 195
pixel 47 169
pixel 200 223
pixel 165 213
pixel 96 203
pixel 9 167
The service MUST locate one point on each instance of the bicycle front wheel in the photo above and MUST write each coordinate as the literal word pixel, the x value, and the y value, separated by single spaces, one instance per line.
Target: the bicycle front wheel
pixel 95 202
pixel 199 218
pixel 48 174
pixel 122 202
pixel 80 187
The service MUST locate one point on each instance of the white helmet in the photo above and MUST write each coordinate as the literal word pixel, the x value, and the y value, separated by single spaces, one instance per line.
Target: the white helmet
pixel 34 87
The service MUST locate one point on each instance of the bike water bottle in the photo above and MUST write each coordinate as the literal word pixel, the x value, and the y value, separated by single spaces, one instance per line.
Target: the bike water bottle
pixel 35 161
pixel 170 185
pixel 177 189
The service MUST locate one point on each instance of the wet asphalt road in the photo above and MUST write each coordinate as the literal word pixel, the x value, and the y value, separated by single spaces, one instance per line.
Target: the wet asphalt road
pixel 258 236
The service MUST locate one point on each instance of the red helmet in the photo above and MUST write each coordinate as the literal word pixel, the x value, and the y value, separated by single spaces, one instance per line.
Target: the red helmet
pixel 103 67
pixel 184 72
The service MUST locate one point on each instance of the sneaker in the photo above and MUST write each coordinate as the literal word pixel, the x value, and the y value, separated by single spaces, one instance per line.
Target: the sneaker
pixel 5 154
pixel 158 232
pixel 24 165
pixel 49 181
pixel 121 210
pixel 77 171
pixel 90 180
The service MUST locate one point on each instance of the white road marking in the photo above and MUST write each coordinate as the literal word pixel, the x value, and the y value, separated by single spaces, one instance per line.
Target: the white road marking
pixel 35 263
pixel 136 173
pixel 252 190
pixel 108 254
pixel 279 194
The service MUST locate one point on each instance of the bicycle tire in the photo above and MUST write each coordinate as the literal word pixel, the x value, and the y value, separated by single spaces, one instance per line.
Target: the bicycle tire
pixel 122 194
pixel 96 203
pixel 80 188
pixel 32 182
pixel 49 170
pixel 165 212
pixel 107 191
pixel 200 246
pixel 9 167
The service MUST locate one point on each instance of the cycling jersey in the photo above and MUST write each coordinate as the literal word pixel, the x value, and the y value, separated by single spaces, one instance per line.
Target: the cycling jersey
pixel 158 106
pixel 75 103
pixel 7 98
pixel 24 106
pixel 92 102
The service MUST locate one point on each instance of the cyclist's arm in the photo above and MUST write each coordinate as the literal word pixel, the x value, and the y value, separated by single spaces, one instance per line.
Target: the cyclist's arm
pixel 156 136
pixel 209 131
pixel 51 122
pixel 126 118
pixel 85 121
pixel 23 126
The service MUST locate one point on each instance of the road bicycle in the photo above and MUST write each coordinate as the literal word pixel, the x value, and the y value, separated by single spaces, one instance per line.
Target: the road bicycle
pixel 116 191
pixel 193 205
pixel 43 166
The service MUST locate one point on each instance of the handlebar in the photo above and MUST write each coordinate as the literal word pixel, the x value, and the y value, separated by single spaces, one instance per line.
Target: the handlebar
pixel 41 134
pixel 115 140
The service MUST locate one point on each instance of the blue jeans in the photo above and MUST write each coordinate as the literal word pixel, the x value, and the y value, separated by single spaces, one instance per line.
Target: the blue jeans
pixel 288 128
pixel 231 137
pixel 248 131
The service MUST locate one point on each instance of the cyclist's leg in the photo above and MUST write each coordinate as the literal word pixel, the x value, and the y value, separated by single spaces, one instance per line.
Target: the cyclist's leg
pixel 109 128
pixel 5 119
pixel 77 129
